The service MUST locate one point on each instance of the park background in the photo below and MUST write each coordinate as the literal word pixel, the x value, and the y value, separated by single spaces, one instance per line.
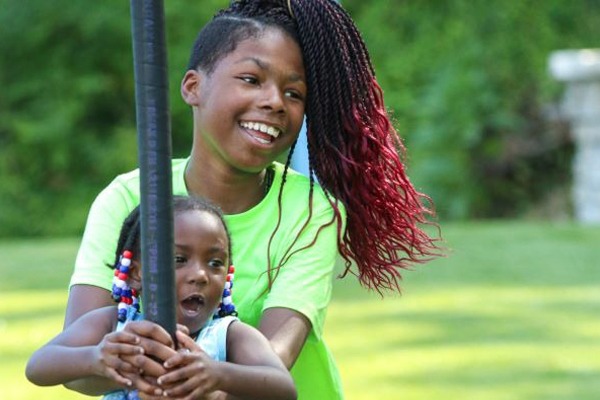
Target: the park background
pixel 510 313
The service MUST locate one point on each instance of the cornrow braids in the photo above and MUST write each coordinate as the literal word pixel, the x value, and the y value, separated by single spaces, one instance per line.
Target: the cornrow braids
pixel 241 21
pixel 354 151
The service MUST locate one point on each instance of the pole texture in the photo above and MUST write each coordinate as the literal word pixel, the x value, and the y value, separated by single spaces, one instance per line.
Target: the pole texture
pixel 154 156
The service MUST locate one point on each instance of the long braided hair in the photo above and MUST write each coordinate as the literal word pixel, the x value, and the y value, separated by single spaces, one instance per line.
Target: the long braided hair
pixel 354 151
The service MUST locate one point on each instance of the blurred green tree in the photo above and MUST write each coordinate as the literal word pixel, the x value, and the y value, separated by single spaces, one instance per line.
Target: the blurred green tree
pixel 67 107
pixel 466 81
pixel 468 84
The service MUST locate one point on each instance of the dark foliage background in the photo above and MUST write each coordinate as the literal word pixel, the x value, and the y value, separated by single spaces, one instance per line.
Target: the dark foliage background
pixel 466 81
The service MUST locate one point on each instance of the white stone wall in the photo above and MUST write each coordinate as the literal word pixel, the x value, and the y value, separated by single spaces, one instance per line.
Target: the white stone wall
pixel 580 71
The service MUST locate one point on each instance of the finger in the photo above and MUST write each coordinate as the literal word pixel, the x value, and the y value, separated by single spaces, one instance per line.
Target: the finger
pixel 185 357
pixel 122 337
pixel 156 349
pixel 183 328
pixel 186 342
pixel 145 365
pixel 177 360
pixel 123 349
pixel 149 330
pixel 143 385
pixel 173 377
pixel 186 379
pixel 120 365
pixel 187 390
pixel 115 376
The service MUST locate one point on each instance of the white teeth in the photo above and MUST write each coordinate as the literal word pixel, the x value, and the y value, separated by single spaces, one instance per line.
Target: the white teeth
pixel 258 126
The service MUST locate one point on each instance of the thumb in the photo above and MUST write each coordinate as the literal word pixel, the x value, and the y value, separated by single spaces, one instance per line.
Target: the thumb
pixel 185 342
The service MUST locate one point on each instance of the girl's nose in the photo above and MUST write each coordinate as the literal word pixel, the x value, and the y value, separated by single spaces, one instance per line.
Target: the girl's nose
pixel 273 98
pixel 197 274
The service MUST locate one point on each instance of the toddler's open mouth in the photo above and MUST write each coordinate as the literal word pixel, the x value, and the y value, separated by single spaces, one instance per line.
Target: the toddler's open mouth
pixel 192 303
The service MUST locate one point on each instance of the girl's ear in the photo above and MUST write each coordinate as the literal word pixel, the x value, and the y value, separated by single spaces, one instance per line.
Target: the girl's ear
pixel 190 87
pixel 135 275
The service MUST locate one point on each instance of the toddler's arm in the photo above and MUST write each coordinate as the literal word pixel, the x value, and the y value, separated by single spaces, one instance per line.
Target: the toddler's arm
pixel 88 348
pixel 90 358
pixel 253 370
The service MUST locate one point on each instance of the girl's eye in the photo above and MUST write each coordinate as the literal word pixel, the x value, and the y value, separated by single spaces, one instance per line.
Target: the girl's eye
pixel 294 94
pixel 216 263
pixel 249 79
pixel 180 260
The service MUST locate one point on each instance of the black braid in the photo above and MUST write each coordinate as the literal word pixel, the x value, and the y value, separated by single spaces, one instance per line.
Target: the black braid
pixel 242 20
pixel 129 238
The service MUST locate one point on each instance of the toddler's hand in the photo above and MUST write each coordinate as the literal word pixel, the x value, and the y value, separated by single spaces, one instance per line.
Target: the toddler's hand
pixel 157 345
pixel 113 357
pixel 192 373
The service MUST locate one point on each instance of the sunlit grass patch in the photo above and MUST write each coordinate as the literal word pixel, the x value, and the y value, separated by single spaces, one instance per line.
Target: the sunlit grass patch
pixel 510 314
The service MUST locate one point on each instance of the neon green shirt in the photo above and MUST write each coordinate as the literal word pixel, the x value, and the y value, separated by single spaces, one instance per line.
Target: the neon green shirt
pixel 303 284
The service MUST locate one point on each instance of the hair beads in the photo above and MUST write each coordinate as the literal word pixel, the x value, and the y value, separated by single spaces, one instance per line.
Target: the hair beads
pixel 226 307
pixel 121 292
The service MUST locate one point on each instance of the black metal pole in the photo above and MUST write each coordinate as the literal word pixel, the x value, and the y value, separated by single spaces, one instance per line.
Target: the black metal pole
pixel 154 155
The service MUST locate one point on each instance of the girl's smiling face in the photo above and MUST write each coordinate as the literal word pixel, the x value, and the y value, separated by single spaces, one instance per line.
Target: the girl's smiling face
pixel 201 264
pixel 249 109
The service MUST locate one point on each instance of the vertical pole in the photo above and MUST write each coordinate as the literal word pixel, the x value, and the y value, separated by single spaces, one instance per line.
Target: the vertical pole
pixel 154 155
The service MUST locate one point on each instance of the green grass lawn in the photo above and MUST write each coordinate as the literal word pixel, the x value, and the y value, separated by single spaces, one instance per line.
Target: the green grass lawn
pixel 513 312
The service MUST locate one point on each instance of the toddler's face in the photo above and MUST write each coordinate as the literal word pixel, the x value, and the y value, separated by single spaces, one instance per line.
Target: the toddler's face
pixel 201 264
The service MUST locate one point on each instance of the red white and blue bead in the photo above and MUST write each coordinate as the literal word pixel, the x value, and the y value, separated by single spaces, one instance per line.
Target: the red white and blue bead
pixel 226 307
pixel 121 292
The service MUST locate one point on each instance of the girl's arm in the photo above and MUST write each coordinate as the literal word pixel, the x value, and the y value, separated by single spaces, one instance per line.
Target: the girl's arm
pixel 252 370
pixel 90 358
pixel 75 353
pixel 134 370
pixel 83 299
pixel 287 331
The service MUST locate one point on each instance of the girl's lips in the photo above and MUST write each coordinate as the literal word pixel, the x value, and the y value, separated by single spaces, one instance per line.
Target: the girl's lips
pixel 258 136
pixel 192 304
pixel 263 127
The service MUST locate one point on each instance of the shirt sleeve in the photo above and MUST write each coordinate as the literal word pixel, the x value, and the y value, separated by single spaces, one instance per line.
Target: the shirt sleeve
pixel 304 282
pixel 98 245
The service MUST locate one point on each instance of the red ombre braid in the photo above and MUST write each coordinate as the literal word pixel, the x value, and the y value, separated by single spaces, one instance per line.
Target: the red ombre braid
pixel 346 117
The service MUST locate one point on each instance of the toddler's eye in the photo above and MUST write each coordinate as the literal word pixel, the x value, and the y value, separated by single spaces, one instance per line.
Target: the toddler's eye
pixel 180 260
pixel 216 263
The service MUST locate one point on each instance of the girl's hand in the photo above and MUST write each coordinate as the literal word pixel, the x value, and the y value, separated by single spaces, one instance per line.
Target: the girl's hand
pixel 218 395
pixel 114 354
pixel 184 329
pixel 156 345
pixel 193 374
